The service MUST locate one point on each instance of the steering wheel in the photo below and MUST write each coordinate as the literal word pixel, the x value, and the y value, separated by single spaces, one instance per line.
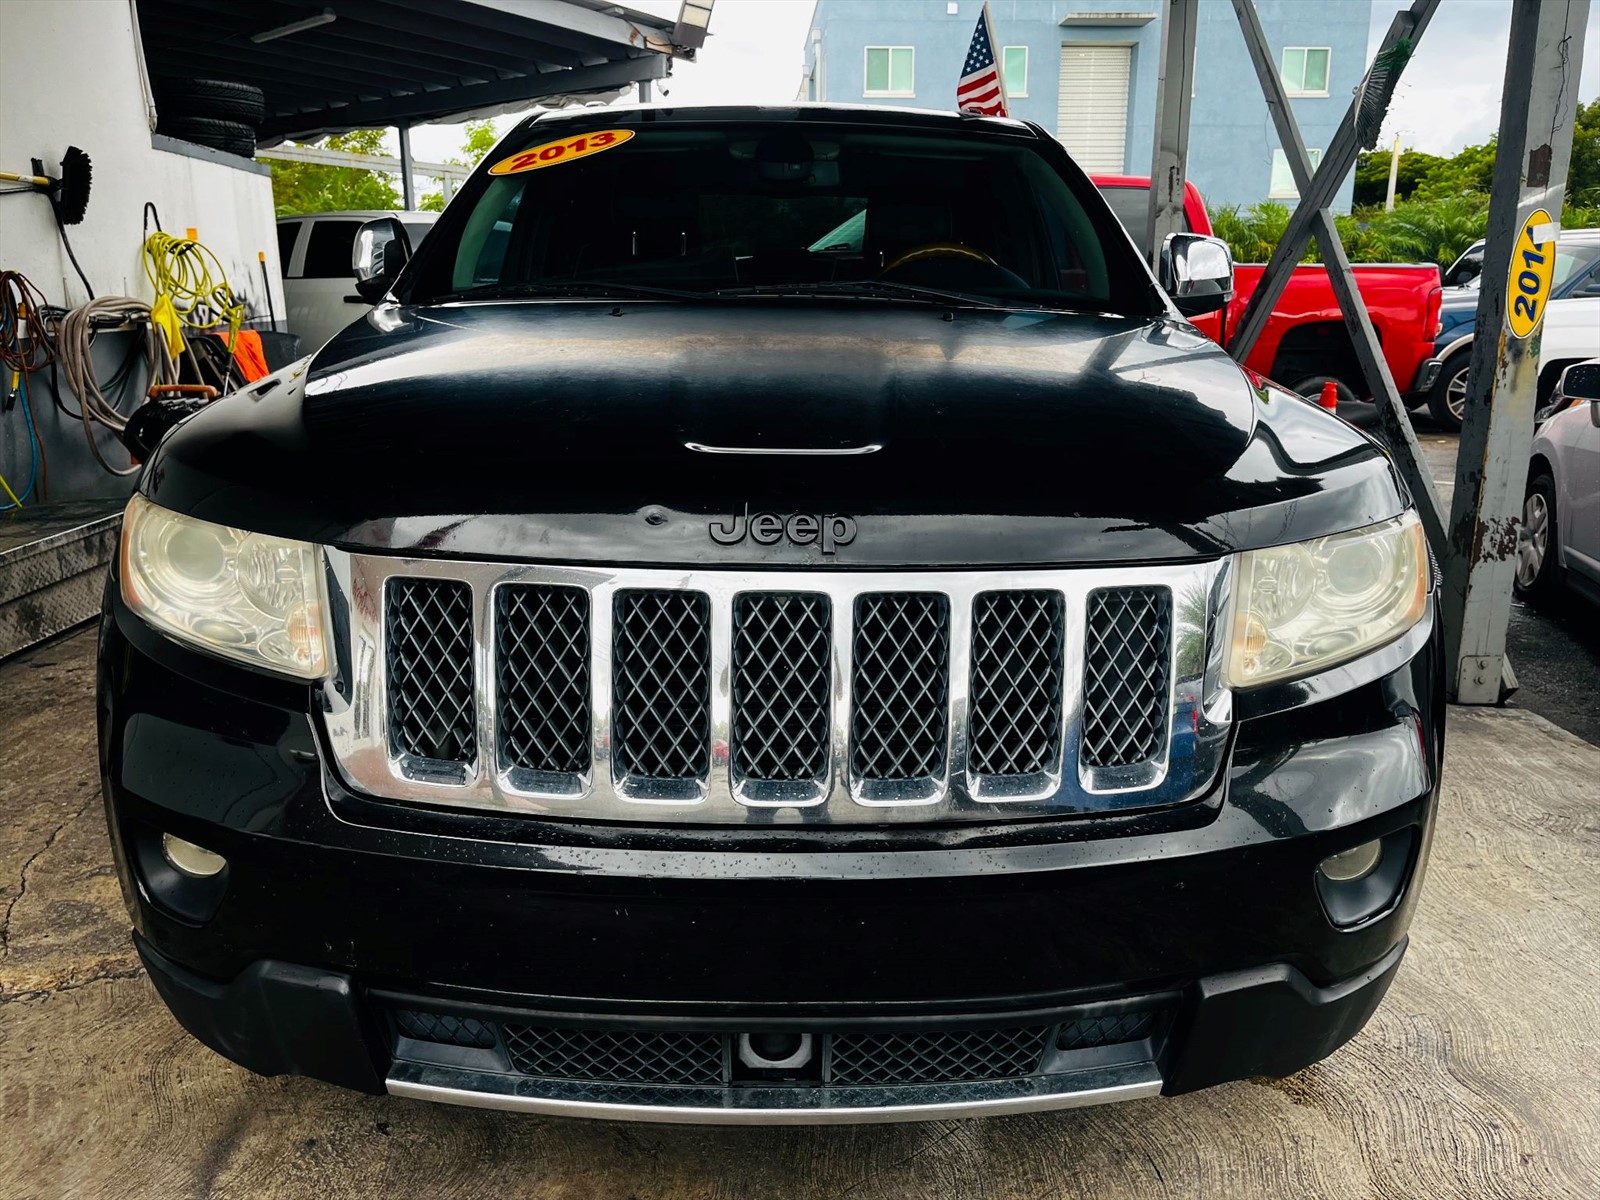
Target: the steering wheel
pixel 938 250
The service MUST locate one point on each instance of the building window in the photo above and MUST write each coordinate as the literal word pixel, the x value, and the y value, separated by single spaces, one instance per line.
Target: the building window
pixel 889 71
pixel 1015 62
pixel 1304 70
pixel 1283 178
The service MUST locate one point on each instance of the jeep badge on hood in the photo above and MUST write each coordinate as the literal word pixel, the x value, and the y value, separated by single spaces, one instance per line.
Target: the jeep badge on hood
pixel 767 529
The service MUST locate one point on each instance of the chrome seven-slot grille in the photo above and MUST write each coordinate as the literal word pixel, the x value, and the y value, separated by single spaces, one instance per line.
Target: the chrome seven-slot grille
pixel 785 707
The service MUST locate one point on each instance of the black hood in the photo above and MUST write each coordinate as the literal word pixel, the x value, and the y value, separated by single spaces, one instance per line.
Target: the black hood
pixel 568 431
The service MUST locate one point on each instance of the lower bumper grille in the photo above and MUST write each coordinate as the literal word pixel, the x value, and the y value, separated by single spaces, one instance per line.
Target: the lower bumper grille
pixel 942 1056
pixel 879 1057
pixel 617 1056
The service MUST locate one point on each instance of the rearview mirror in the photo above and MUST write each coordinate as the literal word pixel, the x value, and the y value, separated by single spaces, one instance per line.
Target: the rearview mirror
pixel 1197 272
pixel 381 249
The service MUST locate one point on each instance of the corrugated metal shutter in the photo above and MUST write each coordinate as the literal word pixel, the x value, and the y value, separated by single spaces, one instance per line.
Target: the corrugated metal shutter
pixel 1092 111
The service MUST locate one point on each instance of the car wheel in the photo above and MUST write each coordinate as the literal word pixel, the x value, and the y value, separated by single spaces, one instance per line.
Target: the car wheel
pixel 1537 568
pixel 1447 401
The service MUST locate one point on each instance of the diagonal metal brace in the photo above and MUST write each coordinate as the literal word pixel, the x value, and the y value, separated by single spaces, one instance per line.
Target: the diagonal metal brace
pixel 1404 450
pixel 1337 161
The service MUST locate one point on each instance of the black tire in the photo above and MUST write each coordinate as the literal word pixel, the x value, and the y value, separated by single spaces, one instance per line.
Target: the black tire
pixel 1442 406
pixel 227 136
pixel 215 98
pixel 1540 583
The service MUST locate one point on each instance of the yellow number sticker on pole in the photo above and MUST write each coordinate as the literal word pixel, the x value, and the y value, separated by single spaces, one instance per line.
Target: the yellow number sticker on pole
pixel 1533 262
pixel 566 150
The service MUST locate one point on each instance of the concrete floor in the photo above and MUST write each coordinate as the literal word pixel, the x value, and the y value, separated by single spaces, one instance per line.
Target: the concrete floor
pixel 1476 1078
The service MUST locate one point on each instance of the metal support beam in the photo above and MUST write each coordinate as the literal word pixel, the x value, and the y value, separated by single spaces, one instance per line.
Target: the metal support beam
pixel 1337 162
pixel 425 105
pixel 1174 94
pixel 408 186
pixel 323 156
pixel 1537 108
pixel 1407 454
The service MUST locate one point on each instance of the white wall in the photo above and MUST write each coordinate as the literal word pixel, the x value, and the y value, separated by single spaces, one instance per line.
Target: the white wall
pixel 72 75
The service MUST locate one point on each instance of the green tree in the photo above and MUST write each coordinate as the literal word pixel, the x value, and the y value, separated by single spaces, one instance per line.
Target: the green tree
pixel 313 187
pixel 1583 175
pixel 1372 175
pixel 480 139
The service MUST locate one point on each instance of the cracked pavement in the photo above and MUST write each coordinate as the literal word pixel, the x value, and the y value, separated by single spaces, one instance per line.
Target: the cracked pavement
pixel 1476 1078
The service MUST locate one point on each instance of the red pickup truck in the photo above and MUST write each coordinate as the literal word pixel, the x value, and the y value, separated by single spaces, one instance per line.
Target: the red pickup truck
pixel 1305 342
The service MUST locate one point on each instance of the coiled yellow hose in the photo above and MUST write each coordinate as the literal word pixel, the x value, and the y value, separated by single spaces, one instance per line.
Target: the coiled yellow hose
pixel 190 276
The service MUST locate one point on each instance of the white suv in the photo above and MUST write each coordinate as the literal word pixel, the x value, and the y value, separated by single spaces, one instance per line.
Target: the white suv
pixel 318 285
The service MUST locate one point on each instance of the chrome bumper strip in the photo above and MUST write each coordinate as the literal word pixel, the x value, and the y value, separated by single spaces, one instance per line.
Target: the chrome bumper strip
pixel 775 1105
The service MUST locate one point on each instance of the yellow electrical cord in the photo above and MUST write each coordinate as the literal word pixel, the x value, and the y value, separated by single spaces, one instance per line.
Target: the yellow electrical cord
pixel 189 278
pixel 6 488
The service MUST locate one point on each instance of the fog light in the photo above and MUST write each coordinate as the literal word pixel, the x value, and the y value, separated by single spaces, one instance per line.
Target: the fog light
pixel 1353 864
pixel 194 861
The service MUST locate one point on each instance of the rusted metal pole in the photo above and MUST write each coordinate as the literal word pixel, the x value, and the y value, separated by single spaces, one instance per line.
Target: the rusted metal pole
pixel 1174 93
pixel 1537 108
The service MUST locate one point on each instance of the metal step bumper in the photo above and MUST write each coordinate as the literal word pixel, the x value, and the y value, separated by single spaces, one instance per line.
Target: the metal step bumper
pixel 775 1105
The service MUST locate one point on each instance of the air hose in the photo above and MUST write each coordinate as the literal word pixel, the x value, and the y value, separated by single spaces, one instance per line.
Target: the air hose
pixel 74 342
pixel 21 354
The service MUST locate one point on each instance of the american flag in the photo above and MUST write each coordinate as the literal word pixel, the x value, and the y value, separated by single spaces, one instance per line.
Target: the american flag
pixel 981 90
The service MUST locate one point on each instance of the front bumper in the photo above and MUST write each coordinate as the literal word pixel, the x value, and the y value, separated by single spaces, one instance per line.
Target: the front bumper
pixel 279 1019
pixel 336 910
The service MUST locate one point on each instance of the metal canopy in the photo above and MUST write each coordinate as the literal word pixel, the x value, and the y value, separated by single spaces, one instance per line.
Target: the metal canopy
pixel 403 62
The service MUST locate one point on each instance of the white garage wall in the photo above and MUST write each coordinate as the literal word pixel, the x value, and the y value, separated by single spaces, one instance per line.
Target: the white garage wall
pixel 72 75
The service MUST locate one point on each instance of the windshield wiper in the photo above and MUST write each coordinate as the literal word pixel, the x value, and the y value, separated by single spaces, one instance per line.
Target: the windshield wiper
pixel 872 288
pixel 596 289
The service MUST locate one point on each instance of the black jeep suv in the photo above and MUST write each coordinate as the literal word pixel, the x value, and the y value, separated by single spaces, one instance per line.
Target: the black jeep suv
pixel 775 616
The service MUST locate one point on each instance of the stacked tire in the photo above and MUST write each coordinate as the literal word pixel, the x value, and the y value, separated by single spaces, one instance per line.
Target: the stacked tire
pixel 211 112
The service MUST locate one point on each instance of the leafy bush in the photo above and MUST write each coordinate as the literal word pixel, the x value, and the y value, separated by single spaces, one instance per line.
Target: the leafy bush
pixel 1433 230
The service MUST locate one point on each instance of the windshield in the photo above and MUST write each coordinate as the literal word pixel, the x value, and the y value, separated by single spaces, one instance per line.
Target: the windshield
pixel 744 208
pixel 1572 256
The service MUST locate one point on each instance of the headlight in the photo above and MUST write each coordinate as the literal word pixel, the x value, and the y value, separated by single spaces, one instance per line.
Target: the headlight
pixel 1311 605
pixel 248 596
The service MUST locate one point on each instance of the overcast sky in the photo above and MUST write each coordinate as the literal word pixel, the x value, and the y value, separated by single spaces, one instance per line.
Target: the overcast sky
pixel 1449 96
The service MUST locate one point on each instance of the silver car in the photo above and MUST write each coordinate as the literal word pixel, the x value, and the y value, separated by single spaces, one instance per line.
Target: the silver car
pixel 1559 540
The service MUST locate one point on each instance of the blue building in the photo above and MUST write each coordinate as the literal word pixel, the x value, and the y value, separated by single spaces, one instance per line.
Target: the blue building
pixel 1086 70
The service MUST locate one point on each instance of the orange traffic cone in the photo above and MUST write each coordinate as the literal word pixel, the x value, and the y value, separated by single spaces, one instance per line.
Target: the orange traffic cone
pixel 1330 396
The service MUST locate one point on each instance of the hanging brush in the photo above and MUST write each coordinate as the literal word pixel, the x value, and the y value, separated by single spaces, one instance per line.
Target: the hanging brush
pixel 69 195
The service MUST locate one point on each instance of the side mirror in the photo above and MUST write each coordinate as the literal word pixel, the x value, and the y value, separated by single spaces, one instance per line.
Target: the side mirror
pixel 1581 381
pixel 1464 272
pixel 1197 272
pixel 382 247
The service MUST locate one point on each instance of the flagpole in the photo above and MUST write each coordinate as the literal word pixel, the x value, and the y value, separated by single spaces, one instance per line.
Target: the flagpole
pixel 999 59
